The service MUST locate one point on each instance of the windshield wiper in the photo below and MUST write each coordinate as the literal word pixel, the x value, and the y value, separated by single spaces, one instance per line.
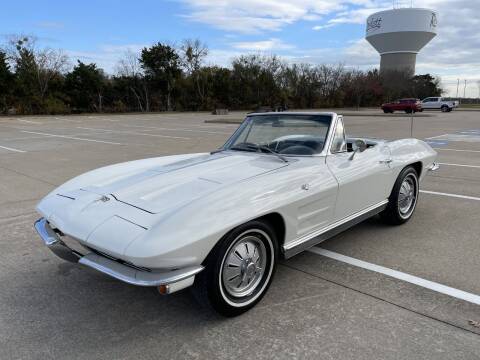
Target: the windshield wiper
pixel 217 151
pixel 259 148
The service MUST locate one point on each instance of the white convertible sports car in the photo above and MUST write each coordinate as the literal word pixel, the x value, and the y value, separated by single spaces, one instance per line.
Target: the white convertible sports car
pixel 220 221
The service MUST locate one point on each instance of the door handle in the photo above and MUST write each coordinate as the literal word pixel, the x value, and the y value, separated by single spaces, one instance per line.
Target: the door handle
pixel 386 161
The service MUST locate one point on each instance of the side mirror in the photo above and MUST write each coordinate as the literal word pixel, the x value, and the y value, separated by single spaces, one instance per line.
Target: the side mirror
pixel 358 146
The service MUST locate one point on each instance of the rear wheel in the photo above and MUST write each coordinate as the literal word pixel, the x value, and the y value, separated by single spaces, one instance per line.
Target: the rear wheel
pixel 403 199
pixel 239 269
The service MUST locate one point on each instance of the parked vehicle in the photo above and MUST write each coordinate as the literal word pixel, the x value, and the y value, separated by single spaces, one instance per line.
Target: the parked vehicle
pixel 407 105
pixel 221 221
pixel 439 103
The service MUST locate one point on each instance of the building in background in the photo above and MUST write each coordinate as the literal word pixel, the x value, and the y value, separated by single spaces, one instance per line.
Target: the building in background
pixel 399 34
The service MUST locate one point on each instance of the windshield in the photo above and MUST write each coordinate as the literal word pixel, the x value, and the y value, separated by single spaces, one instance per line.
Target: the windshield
pixel 285 134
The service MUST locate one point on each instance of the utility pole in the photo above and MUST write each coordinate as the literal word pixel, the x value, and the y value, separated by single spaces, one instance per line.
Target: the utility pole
pixel 458 84
pixel 464 88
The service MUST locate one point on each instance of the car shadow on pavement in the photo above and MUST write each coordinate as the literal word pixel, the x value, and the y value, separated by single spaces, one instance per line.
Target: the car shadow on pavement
pixel 63 306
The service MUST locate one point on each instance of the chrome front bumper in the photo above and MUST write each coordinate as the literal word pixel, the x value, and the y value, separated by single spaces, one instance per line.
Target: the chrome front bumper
pixel 169 281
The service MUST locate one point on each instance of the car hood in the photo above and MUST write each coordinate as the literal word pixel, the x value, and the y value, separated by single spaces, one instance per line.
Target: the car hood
pixel 160 188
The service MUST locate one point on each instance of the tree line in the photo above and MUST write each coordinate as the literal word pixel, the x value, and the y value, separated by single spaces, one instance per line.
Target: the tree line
pixel 164 77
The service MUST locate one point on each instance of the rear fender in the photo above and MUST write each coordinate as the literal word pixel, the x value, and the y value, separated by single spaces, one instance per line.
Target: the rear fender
pixel 409 151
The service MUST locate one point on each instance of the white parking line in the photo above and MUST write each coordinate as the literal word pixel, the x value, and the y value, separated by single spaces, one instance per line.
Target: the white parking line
pixel 470 137
pixel 461 165
pixel 470 132
pixel 29 122
pixel 134 133
pixel 435 137
pixel 459 150
pixel 443 289
pixel 65 119
pixel 23 138
pixel 72 137
pixel 450 195
pixel 12 149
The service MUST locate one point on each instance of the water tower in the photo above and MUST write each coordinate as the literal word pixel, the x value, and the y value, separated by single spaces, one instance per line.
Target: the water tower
pixel 399 34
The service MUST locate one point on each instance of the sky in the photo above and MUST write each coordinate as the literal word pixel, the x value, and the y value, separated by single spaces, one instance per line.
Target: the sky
pixel 313 31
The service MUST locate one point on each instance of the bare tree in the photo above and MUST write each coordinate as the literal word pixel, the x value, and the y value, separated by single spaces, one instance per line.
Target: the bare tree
pixel 193 53
pixel 50 63
pixel 16 43
pixel 129 67
pixel 355 80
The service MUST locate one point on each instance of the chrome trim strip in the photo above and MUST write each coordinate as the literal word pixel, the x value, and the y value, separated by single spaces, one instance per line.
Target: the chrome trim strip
pixel 296 246
pixel 330 135
pixel 136 277
pixel 338 118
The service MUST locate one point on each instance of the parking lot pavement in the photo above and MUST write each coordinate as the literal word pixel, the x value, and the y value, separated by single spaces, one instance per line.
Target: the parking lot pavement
pixel 317 307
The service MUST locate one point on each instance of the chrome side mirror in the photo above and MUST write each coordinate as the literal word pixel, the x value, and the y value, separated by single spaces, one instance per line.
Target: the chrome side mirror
pixel 358 146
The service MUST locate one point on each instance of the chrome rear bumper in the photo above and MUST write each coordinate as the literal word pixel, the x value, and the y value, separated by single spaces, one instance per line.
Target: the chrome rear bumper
pixel 433 167
pixel 171 281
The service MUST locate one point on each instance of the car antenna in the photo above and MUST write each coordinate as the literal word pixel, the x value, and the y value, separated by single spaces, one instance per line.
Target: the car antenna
pixel 411 124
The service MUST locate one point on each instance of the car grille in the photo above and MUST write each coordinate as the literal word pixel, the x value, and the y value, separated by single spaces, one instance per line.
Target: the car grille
pixel 81 250
pixel 120 261
pixel 73 244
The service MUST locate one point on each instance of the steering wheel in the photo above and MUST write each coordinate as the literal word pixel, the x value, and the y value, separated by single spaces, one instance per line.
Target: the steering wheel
pixel 297 150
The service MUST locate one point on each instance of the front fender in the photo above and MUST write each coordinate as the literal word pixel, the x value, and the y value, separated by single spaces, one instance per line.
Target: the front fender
pixel 185 236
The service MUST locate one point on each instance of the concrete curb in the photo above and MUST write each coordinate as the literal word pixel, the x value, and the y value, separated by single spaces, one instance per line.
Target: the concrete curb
pixel 347 114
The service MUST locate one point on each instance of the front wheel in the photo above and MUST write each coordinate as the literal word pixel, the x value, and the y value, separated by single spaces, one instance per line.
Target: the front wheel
pixel 403 199
pixel 239 269
pixel 444 108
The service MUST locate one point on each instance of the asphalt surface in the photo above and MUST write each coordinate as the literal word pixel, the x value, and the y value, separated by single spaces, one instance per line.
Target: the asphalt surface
pixel 317 307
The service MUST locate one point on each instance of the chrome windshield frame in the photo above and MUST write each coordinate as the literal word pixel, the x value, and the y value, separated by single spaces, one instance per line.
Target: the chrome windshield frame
pixel 328 139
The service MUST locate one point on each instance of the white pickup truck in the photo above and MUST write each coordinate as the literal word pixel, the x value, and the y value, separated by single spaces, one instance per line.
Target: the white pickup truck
pixel 438 103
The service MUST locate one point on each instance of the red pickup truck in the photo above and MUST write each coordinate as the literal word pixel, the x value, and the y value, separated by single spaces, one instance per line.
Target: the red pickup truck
pixel 407 105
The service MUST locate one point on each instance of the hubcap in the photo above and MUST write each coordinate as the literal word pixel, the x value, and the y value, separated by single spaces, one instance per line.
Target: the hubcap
pixel 407 196
pixel 244 266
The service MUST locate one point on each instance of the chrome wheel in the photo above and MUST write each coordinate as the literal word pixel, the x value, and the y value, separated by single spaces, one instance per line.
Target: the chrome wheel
pixel 407 197
pixel 239 269
pixel 244 265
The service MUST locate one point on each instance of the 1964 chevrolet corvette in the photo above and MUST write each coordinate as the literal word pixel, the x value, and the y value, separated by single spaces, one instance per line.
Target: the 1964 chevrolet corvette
pixel 220 221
